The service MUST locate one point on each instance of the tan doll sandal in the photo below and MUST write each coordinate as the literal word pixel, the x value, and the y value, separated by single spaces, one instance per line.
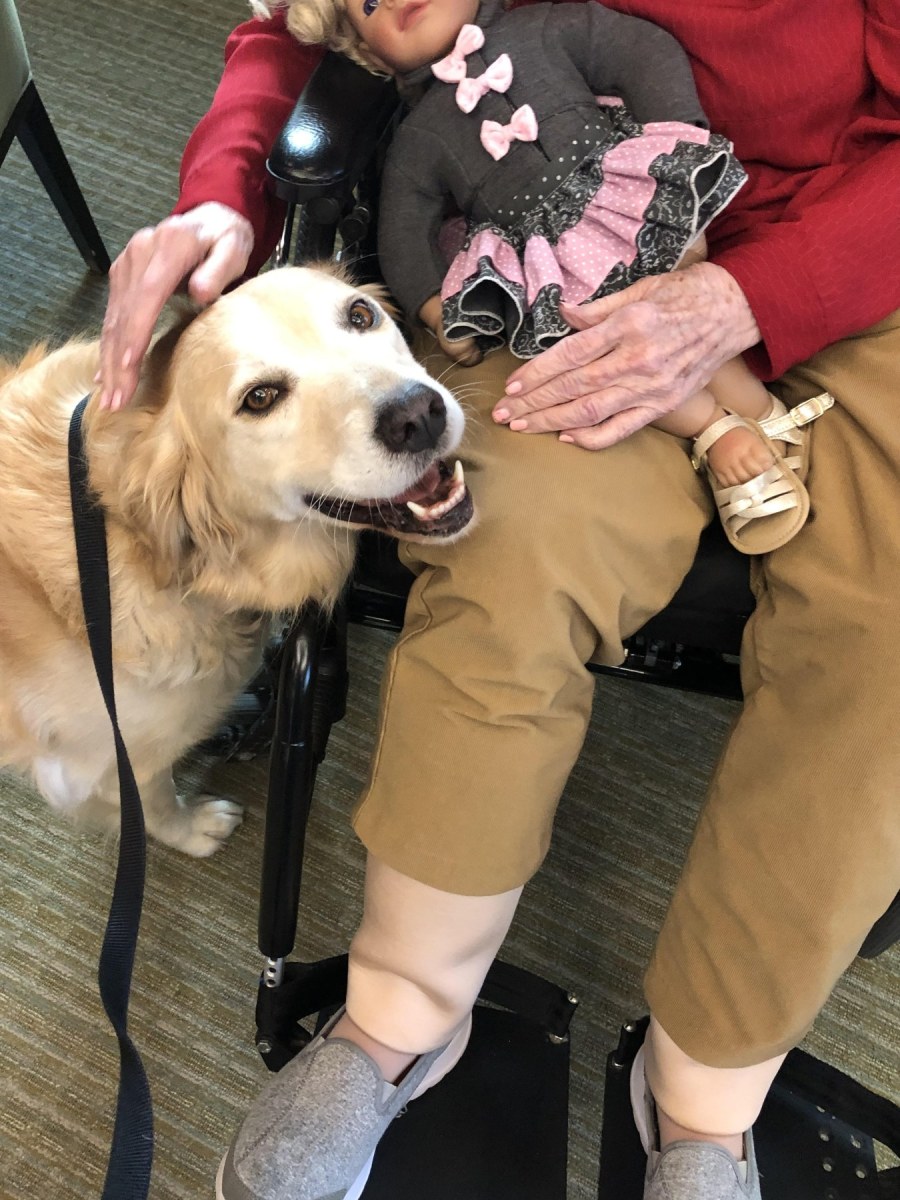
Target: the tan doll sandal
pixel 776 494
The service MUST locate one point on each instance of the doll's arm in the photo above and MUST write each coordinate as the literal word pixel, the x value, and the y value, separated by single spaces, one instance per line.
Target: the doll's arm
pixel 626 56
pixel 462 350
pixel 410 214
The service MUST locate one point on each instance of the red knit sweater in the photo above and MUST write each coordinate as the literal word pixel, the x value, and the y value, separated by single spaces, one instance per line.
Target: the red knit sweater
pixel 809 94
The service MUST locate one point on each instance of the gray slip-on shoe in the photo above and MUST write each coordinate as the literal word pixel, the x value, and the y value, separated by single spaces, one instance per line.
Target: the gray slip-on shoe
pixel 312 1132
pixel 689 1170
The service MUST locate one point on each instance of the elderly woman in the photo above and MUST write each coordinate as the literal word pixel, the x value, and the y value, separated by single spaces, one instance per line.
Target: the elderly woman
pixel 780 887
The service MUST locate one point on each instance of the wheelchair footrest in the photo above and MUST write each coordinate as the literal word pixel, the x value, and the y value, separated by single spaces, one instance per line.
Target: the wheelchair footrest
pixel 497 1127
pixel 815 1138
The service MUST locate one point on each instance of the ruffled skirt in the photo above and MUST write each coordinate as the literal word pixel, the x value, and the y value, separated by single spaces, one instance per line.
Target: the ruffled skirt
pixel 628 210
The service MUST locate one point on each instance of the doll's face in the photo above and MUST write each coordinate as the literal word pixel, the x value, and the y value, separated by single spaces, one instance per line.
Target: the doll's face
pixel 406 34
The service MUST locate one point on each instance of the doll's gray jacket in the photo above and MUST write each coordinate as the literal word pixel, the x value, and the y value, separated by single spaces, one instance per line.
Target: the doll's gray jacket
pixel 563 56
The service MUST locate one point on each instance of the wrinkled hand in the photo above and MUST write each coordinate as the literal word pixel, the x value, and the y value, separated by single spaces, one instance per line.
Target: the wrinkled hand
pixel 636 355
pixel 204 249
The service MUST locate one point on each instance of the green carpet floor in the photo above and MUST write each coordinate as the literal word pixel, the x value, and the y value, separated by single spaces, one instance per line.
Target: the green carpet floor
pixel 124 82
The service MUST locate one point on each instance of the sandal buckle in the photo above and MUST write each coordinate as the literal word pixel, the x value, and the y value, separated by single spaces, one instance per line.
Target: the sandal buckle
pixel 811 409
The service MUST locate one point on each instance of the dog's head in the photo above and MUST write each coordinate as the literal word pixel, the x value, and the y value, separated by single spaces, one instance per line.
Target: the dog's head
pixel 294 398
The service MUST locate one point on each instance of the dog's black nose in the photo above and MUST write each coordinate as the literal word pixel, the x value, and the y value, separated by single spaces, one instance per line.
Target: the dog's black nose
pixel 411 420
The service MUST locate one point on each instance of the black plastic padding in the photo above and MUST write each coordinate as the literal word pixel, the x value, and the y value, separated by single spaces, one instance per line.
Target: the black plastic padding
pixel 338 121
pixel 884 933
pixel 711 607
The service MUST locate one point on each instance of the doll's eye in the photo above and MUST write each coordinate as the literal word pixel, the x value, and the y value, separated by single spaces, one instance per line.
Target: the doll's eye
pixel 369 7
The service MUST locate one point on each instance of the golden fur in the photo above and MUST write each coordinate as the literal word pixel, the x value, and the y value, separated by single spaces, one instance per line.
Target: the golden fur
pixel 207 527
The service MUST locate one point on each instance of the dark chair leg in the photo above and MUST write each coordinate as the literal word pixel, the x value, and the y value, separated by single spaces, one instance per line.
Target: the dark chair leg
pixel 39 141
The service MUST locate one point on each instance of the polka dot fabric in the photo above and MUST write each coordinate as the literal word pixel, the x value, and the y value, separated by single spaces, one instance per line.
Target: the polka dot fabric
pixel 630 208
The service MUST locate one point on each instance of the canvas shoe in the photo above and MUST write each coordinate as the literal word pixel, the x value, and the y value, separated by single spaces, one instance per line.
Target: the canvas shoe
pixel 313 1130
pixel 689 1170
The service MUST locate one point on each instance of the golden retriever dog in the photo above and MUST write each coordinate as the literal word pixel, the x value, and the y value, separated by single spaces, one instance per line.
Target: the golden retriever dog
pixel 264 430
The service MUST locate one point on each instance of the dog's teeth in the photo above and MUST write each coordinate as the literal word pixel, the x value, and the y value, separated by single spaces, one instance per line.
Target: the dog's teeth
pixel 433 511
pixel 458 476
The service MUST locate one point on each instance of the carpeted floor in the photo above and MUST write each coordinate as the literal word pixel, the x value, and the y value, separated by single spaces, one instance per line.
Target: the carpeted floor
pixel 124 81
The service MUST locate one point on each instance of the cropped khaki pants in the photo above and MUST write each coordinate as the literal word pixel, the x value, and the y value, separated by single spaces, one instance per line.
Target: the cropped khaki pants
pixel 486 697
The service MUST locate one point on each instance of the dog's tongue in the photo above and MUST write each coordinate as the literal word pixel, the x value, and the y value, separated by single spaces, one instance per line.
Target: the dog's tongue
pixel 422 489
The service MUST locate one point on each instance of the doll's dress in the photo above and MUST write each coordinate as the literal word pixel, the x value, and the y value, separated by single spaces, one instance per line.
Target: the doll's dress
pixel 629 209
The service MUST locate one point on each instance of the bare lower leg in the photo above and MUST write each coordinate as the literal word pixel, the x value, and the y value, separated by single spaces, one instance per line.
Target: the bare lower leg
pixel 699 1103
pixel 734 388
pixel 417 964
pixel 670 1131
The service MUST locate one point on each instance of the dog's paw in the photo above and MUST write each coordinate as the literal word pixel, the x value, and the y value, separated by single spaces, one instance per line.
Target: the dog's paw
pixel 213 820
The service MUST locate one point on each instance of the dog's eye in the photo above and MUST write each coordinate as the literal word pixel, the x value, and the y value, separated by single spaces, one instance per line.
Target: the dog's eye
pixel 261 398
pixel 361 315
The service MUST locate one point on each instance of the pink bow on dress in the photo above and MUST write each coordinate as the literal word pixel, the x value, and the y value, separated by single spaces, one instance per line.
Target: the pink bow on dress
pixel 497 139
pixel 453 68
pixel 496 78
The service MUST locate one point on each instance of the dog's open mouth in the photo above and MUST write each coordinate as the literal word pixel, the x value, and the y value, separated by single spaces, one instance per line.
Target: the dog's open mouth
pixel 437 505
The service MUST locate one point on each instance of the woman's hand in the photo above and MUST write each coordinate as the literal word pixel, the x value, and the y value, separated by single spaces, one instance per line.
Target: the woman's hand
pixel 204 249
pixel 637 355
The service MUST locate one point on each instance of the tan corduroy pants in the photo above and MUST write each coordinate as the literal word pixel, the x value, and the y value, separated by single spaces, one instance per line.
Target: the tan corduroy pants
pixel 486 697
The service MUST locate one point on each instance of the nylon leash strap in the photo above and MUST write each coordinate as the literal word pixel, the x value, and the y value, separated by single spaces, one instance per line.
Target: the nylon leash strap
pixel 131 1151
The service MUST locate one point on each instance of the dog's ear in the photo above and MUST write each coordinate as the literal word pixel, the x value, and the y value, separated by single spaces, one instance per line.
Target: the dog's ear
pixel 167 491
pixel 212 536
pixel 154 383
pixel 167 488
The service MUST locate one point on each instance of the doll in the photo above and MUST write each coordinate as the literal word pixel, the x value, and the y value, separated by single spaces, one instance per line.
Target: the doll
pixel 572 140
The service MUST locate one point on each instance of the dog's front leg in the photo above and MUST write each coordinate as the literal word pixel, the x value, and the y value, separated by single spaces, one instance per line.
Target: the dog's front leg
pixel 197 826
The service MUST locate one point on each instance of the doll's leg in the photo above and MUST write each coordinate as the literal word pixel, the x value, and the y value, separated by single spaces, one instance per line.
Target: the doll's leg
pixel 739 455
pixel 762 502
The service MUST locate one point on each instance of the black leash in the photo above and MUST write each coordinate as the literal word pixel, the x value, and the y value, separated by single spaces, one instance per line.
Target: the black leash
pixel 131 1152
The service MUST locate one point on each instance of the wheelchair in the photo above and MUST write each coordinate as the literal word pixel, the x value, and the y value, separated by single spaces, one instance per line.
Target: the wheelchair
pixel 325 167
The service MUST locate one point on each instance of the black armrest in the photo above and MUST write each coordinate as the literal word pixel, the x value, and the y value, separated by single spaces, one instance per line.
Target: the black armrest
pixel 339 119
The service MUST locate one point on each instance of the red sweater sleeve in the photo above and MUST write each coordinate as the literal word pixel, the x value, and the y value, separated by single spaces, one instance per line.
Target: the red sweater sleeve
pixel 265 71
pixel 828 264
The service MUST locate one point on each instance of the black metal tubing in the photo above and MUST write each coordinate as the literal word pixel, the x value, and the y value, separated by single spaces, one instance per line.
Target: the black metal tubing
pixel 292 774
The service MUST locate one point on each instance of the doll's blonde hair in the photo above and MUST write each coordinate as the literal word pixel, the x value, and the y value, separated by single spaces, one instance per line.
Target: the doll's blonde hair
pixel 322 23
